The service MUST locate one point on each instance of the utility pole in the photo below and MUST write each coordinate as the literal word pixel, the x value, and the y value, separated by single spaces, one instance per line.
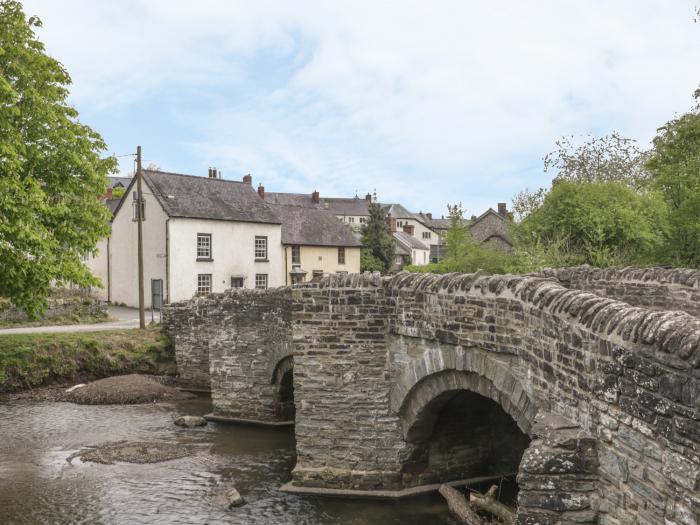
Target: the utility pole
pixel 139 215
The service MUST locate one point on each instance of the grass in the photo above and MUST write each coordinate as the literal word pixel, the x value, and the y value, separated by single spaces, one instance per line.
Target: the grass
pixel 29 360
pixel 53 321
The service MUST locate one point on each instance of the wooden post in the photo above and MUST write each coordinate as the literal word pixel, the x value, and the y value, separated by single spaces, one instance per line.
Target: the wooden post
pixel 139 216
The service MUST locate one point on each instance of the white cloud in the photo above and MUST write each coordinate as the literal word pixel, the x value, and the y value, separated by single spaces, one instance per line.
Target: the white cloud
pixel 428 102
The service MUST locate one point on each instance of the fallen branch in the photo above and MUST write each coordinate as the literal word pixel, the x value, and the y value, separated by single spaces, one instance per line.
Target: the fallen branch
pixel 489 503
pixel 458 506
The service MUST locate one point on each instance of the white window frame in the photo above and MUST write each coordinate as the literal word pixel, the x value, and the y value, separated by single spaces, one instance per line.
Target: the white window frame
pixel 341 250
pixel 296 248
pixel 260 248
pixel 261 281
pixel 204 247
pixel 426 235
pixel 204 288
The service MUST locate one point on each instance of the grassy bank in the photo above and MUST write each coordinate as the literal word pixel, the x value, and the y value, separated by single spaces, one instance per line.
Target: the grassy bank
pixel 29 360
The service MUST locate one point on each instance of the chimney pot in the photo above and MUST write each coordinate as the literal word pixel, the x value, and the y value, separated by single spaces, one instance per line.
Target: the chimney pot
pixel 247 179
pixel 315 197
pixel 261 191
pixel 391 223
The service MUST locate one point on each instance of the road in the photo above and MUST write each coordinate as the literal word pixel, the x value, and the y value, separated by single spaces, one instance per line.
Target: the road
pixel 125 318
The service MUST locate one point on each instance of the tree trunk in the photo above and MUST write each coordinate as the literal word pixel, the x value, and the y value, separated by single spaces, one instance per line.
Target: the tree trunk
pixel 459 507
pixel 489 503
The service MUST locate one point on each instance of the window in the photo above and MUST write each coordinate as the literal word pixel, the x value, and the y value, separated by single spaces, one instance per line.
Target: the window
pixel 296 254
pixel 363 220
pixel 260 248
pixel 341 255
pixel 261 281
pixel 351 219
pixel 426 235
pixel 136 207
pixel 204 246
pixel 399 224
pixel 236 282
pixel 203 283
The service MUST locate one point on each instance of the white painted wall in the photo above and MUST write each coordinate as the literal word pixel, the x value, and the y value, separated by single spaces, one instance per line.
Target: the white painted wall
pixel 420 257
pixel 124 249
pixel 233 253
pixel 98 266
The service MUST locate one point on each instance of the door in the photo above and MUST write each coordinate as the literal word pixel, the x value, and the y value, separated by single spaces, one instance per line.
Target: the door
pixel 157 293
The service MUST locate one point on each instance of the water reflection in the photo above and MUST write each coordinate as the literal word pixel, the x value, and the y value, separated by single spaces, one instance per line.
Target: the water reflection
pixel 37 485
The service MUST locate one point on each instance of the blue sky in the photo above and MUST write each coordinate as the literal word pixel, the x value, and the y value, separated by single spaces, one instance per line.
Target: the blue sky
pixel 427 103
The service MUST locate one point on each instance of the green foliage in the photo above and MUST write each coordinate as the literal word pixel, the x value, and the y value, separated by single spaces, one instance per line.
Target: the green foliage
pixel 675 171
pixel 378 244
pixel 369 263
pixel 51 174
pixel 28 360
pixel 118 193
pixel 599 223
pixel 464 253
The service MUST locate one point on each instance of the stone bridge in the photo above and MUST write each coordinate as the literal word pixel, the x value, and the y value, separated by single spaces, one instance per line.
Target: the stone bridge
pixel 396 384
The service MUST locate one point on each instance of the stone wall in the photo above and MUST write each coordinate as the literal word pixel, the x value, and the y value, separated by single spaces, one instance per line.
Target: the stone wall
pixel 653 288
pixel 607 392
pixel 62 305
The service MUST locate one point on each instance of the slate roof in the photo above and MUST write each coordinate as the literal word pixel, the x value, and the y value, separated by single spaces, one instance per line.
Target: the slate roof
pixel 339 205
pixel 409 241
pixel 399 212
pixel 123 181
pixel 313 227
pixel 194 197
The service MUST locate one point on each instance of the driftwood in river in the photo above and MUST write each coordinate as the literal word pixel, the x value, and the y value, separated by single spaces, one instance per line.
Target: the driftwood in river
pixel 490 504
pixel 459 506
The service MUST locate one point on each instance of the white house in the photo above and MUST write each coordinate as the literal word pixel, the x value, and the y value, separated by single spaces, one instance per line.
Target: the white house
pixel 200 235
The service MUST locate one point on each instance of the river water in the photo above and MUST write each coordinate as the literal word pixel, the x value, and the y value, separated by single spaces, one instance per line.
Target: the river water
pixel 38 485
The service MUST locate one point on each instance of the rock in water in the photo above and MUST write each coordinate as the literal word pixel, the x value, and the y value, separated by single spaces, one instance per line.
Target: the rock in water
pixel 190 421
pixel 229 498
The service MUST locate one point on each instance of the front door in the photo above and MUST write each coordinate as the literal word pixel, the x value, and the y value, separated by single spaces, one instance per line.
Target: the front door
pixel 157 293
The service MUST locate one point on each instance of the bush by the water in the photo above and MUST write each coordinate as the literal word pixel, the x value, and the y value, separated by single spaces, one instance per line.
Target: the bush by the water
pixel 29 360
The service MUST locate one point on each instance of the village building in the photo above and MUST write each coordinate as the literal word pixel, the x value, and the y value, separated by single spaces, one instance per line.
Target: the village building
pixel 409 249
pixel 315 244
pixel 200 235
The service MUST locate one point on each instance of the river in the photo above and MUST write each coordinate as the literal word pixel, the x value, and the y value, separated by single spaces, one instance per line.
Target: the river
pixel 38 485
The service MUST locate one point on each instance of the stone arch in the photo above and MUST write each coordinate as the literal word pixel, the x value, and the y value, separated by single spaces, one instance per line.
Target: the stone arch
pixel 443 369
pixel 282 379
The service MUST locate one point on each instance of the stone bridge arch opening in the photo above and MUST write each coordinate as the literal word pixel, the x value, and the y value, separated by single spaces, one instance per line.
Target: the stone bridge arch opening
pixel 457 425
pixel 283 384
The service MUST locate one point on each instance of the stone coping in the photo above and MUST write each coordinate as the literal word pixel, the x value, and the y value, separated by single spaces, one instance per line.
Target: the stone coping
pixel 237 420
pixel 385 494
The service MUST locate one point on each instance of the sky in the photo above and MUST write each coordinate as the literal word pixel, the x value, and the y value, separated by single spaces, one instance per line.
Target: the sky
pixel 426 103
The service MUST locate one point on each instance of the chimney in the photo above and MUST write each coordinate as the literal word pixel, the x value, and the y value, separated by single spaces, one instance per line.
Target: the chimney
pixel 408 228
pixel 368 197
pixel 429 215
pixel 391 223
pixel 315 197
pixel 502 210
pixel 247 179
pixel 261 191
pixel 473 217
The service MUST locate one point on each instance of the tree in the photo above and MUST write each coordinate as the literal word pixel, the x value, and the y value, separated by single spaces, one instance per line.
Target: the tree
pixel 599 223
pixel 464 253
pixel 612 158
pixel 51 170
pixel 675 172
pixel 377 243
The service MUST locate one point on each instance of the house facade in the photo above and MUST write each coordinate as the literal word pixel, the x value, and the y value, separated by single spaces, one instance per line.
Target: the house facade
pixel 315 244
pixel 200 235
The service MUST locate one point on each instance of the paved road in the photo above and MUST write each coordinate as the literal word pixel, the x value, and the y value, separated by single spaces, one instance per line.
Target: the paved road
pixel 126 318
